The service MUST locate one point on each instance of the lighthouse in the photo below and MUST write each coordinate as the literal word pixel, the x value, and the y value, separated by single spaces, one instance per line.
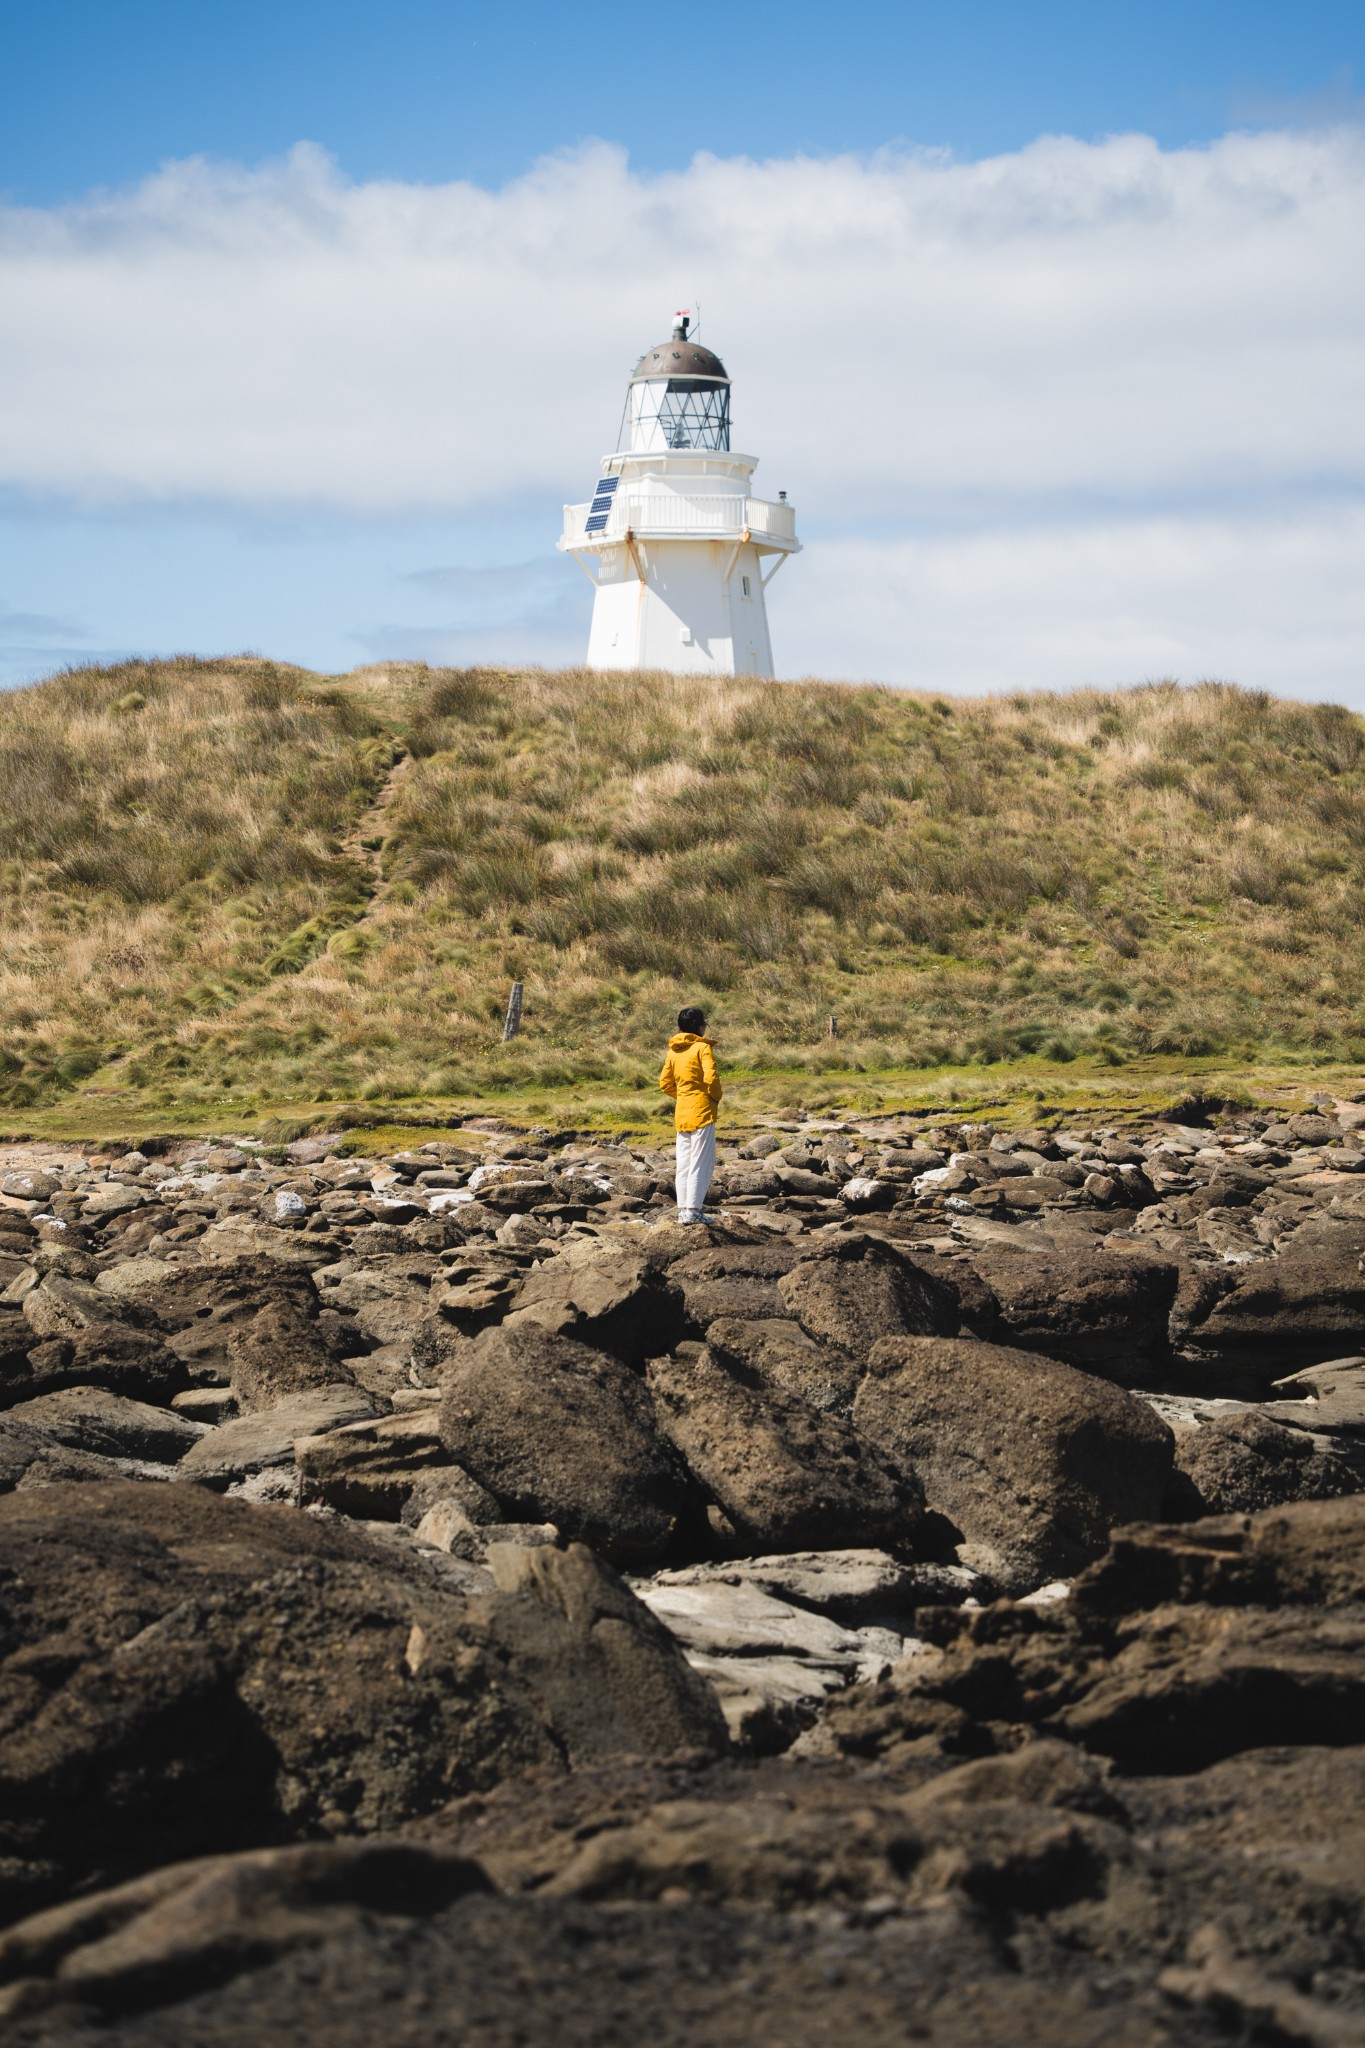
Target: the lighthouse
pixel 677 550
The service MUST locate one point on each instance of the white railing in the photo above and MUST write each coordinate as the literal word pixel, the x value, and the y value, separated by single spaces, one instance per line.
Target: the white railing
pixel 723 514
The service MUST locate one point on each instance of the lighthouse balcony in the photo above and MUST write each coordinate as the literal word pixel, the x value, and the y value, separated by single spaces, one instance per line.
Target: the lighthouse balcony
pixel 670 515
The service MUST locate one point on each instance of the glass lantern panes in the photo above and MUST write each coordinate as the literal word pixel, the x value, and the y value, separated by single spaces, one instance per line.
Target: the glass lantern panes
pixel 680 412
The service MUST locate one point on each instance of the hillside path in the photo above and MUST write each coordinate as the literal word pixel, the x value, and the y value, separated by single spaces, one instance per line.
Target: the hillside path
pixel 364 840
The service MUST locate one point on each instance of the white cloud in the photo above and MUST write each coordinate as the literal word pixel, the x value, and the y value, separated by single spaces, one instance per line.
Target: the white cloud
pixel 1097 408
pixel 1274 602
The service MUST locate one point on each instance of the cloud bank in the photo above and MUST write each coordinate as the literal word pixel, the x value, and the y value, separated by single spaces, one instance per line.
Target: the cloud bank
pixel 1084 412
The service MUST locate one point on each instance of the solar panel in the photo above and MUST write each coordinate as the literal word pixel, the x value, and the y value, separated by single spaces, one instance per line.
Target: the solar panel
pixel 596 523
pixel 607 485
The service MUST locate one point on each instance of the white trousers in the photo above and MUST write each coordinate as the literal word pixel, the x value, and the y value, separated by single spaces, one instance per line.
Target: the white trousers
pixel 696 1164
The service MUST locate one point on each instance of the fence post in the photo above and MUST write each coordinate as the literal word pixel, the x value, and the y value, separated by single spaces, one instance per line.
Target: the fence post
pixel 513 1024
pixel 832 1028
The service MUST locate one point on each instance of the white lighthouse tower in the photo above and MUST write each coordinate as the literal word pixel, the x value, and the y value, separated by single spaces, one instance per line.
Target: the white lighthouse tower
pixel 677 551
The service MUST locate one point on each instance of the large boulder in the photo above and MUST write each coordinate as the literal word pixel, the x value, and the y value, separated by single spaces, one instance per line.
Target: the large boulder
pixel 733 1280
pixel 785 1475
pixel 602 1668
pixel 136 1364
pixel 779 1354
pixel 1237 1464
pixel 1030 1461
pixel 1307 1304
pixel 280 1352
pixel 857 1290
pixel 1100 1309
pixel 561 1433
pixel 184 1674
pixel 204 1306
pixel 602 1295
pixel 108 1425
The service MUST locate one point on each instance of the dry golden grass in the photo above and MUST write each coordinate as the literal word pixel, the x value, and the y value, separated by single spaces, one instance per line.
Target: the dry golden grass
pixel 1161 871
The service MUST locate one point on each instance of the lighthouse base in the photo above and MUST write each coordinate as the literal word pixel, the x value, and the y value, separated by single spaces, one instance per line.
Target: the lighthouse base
pixel 686 606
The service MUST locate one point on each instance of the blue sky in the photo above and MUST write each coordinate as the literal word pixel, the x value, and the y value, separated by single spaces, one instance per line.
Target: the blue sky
pixel 100 94
pixel 1051 410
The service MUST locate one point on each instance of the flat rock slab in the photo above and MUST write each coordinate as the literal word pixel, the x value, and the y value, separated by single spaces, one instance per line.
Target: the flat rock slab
pixel 742 1621
pixel 253 1443
pixel 860 1588
pixel 768 1701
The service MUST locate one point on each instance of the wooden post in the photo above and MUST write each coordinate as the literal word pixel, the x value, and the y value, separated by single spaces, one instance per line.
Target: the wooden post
pixel 513 1024
pixel 832 1028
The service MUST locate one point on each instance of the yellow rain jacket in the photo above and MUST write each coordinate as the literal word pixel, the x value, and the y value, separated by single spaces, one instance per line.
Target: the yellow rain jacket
pixel 689 1076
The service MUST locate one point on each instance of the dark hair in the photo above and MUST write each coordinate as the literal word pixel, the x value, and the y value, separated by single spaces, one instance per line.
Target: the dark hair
pixel 691 1020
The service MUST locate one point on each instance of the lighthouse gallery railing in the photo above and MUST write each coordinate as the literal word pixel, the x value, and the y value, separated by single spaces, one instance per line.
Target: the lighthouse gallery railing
pixel 722 513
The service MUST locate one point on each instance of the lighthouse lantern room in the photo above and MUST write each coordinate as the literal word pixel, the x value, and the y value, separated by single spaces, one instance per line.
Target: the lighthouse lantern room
pixel 678 552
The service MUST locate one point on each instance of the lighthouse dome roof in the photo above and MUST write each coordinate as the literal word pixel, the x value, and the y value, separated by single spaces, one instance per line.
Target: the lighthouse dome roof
pixel 679 357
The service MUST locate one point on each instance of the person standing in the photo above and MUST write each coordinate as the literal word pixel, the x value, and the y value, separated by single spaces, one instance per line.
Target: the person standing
pixel 689 1076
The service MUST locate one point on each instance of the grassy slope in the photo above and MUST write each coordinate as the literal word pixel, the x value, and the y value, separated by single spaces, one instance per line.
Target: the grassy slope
pixel 1153 880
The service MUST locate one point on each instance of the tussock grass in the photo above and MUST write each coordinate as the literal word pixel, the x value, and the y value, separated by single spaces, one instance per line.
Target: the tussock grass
pixel 1160 873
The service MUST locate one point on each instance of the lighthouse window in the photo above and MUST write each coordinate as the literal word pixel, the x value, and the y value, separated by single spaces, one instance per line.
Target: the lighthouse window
pixel 680 412
pixel 745 581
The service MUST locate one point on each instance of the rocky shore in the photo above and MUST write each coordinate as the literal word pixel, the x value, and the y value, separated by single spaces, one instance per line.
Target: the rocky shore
pixel 444 1601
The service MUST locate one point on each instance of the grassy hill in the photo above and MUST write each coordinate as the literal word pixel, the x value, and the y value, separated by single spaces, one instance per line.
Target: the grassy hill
pixel 226 885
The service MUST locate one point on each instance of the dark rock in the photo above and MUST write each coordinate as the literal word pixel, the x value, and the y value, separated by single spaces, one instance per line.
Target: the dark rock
pixel 62 1306
pixel 1314 1130
pixel 1180 1647
pixel 1029 1460
pixel 779 1355
pixel 786 1476
pixel 233 1676
pixel 108 1425
pixel 181 1931
pixel 1238 1464
pixel 615 1301
pixel 280 1352
pixel 607 1676
pixel 733 1181
pixel 1101 1310
pixel 449 1483
pixel 30 1458
pixel 132 1363
pixel 369 1468
pixel 800 1180
pixel 858 1289
pixel 561 1433
pixel 1307 1304
pixel 733 1280
pixel 1309 1554
pixel 201 1306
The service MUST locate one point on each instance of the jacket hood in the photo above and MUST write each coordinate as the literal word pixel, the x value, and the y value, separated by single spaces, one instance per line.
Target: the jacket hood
pixel 680 1040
